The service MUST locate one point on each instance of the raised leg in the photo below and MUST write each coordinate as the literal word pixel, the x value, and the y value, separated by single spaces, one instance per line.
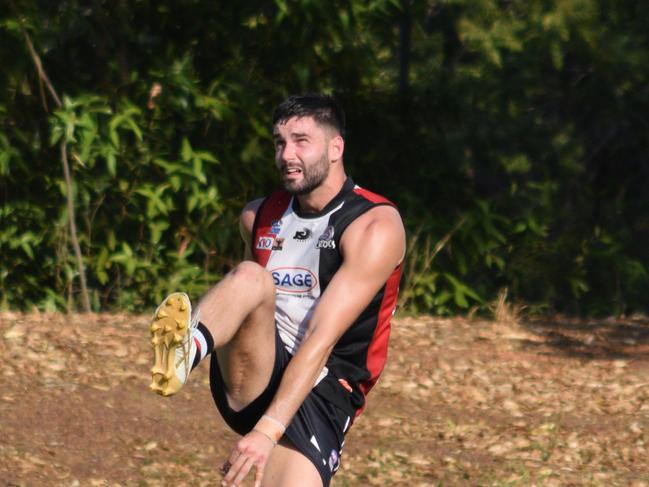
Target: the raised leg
pixel 239 312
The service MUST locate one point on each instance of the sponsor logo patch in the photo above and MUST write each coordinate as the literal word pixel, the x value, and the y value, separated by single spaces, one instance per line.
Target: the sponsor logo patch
pixel 265 242
pixel 302 235
pixel 275 226
pixel 279 243
pixel 295 280
pixel 334 461
pixel 326 240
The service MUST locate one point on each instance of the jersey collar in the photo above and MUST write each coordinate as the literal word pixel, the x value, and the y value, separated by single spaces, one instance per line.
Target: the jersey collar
pixel 348 186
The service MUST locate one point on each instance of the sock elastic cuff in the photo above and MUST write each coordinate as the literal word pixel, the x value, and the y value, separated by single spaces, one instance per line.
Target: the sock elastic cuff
pixel 208 337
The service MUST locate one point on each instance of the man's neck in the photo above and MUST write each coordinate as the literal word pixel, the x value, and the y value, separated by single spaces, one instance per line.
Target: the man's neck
pixel 317 199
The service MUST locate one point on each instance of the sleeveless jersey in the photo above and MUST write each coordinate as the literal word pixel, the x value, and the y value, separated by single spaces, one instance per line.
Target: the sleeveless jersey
pixel 302 253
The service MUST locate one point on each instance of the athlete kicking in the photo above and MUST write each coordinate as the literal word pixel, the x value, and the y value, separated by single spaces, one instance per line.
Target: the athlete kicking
pixel 299 331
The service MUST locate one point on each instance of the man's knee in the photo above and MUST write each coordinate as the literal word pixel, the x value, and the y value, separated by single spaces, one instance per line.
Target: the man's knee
pixel 254 277
pixel 248 269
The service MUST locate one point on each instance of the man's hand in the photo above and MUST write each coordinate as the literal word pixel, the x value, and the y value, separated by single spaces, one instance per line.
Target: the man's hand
pixel 254 449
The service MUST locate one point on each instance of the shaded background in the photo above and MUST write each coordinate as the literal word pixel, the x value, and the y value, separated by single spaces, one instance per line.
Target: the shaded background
pixel 513 135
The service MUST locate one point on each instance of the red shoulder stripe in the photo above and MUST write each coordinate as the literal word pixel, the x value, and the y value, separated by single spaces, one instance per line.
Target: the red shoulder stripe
pixel 270 211
pixel 373 197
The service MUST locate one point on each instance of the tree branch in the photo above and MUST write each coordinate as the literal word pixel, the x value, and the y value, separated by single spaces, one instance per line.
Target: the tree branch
pixel 43 78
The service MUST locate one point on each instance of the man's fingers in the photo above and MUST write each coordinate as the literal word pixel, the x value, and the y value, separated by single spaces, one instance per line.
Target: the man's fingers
pixel 259 475
pixel 251 450
pixel 234 470
pixel 243 471
pixel 233 457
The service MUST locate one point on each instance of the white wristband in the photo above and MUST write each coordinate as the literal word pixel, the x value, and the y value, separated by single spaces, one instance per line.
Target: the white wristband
pixel 276 421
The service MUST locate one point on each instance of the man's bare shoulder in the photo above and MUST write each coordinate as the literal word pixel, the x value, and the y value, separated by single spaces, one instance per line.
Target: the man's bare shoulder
pixel 382 218
pixel 248 214
pixel 380 226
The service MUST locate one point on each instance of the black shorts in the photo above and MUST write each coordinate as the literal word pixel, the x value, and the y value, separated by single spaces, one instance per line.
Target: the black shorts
pixel 317 430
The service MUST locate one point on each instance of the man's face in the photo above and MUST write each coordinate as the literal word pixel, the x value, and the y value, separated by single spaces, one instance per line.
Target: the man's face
pixel 301 154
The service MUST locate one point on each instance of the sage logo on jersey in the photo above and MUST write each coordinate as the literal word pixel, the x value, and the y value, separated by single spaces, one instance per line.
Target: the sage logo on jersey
pixel 326 240
pixel 265 243
pixel 294 280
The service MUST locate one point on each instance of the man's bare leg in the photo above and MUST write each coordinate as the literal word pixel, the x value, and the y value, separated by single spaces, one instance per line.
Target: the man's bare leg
pixel 288 467
pixel 239 312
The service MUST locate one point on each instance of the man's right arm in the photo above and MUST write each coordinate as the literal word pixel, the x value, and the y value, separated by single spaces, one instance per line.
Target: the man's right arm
pixel 246 222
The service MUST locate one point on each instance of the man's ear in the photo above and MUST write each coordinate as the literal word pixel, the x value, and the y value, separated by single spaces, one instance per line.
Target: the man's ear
pixel 336 148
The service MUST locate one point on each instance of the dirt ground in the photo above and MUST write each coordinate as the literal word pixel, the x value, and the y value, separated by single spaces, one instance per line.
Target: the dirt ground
pixel 461 402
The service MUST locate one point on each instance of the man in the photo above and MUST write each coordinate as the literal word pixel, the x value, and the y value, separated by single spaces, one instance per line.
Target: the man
pixel 299 331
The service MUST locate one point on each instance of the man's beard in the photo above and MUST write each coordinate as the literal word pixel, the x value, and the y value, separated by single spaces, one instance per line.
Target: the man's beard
pixel 312 177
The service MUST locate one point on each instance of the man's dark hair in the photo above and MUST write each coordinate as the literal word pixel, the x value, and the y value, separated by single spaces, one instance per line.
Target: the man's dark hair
pixel 324 109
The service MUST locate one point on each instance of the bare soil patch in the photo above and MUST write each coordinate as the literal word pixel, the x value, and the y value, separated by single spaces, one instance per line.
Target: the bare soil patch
pixel 553 402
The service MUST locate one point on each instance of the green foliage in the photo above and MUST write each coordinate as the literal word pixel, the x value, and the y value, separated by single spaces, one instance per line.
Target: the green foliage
pixel 516 151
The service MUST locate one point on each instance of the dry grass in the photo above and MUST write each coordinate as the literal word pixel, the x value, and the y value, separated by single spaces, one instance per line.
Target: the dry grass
pixel 509 319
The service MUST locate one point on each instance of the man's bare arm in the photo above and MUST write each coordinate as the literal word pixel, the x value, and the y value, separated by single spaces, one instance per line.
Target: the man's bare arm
pixel 246 222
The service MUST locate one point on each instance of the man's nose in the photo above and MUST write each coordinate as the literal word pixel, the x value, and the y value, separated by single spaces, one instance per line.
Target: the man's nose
pixel 288 152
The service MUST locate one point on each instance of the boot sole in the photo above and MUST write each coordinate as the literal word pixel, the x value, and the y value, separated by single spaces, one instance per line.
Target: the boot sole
pixel 168 330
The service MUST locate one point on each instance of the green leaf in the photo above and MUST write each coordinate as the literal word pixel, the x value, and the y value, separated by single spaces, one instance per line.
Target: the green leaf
pixel 111 161
pixel 198 170
pixel 185 150
pixel 156 230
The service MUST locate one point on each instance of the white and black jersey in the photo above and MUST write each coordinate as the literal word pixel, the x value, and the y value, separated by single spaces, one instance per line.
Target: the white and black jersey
pixel 302 253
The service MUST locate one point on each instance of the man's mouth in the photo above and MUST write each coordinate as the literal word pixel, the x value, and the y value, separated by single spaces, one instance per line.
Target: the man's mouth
pixel 291 171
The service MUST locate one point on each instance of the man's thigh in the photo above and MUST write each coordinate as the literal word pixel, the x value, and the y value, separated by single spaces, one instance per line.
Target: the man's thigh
pixel 288 467
pixel 242 308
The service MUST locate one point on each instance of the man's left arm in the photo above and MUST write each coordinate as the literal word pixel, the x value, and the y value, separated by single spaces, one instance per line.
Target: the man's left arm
pixel 372 246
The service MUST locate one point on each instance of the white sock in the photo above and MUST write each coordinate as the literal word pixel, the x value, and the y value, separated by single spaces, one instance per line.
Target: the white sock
pixel 202 343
